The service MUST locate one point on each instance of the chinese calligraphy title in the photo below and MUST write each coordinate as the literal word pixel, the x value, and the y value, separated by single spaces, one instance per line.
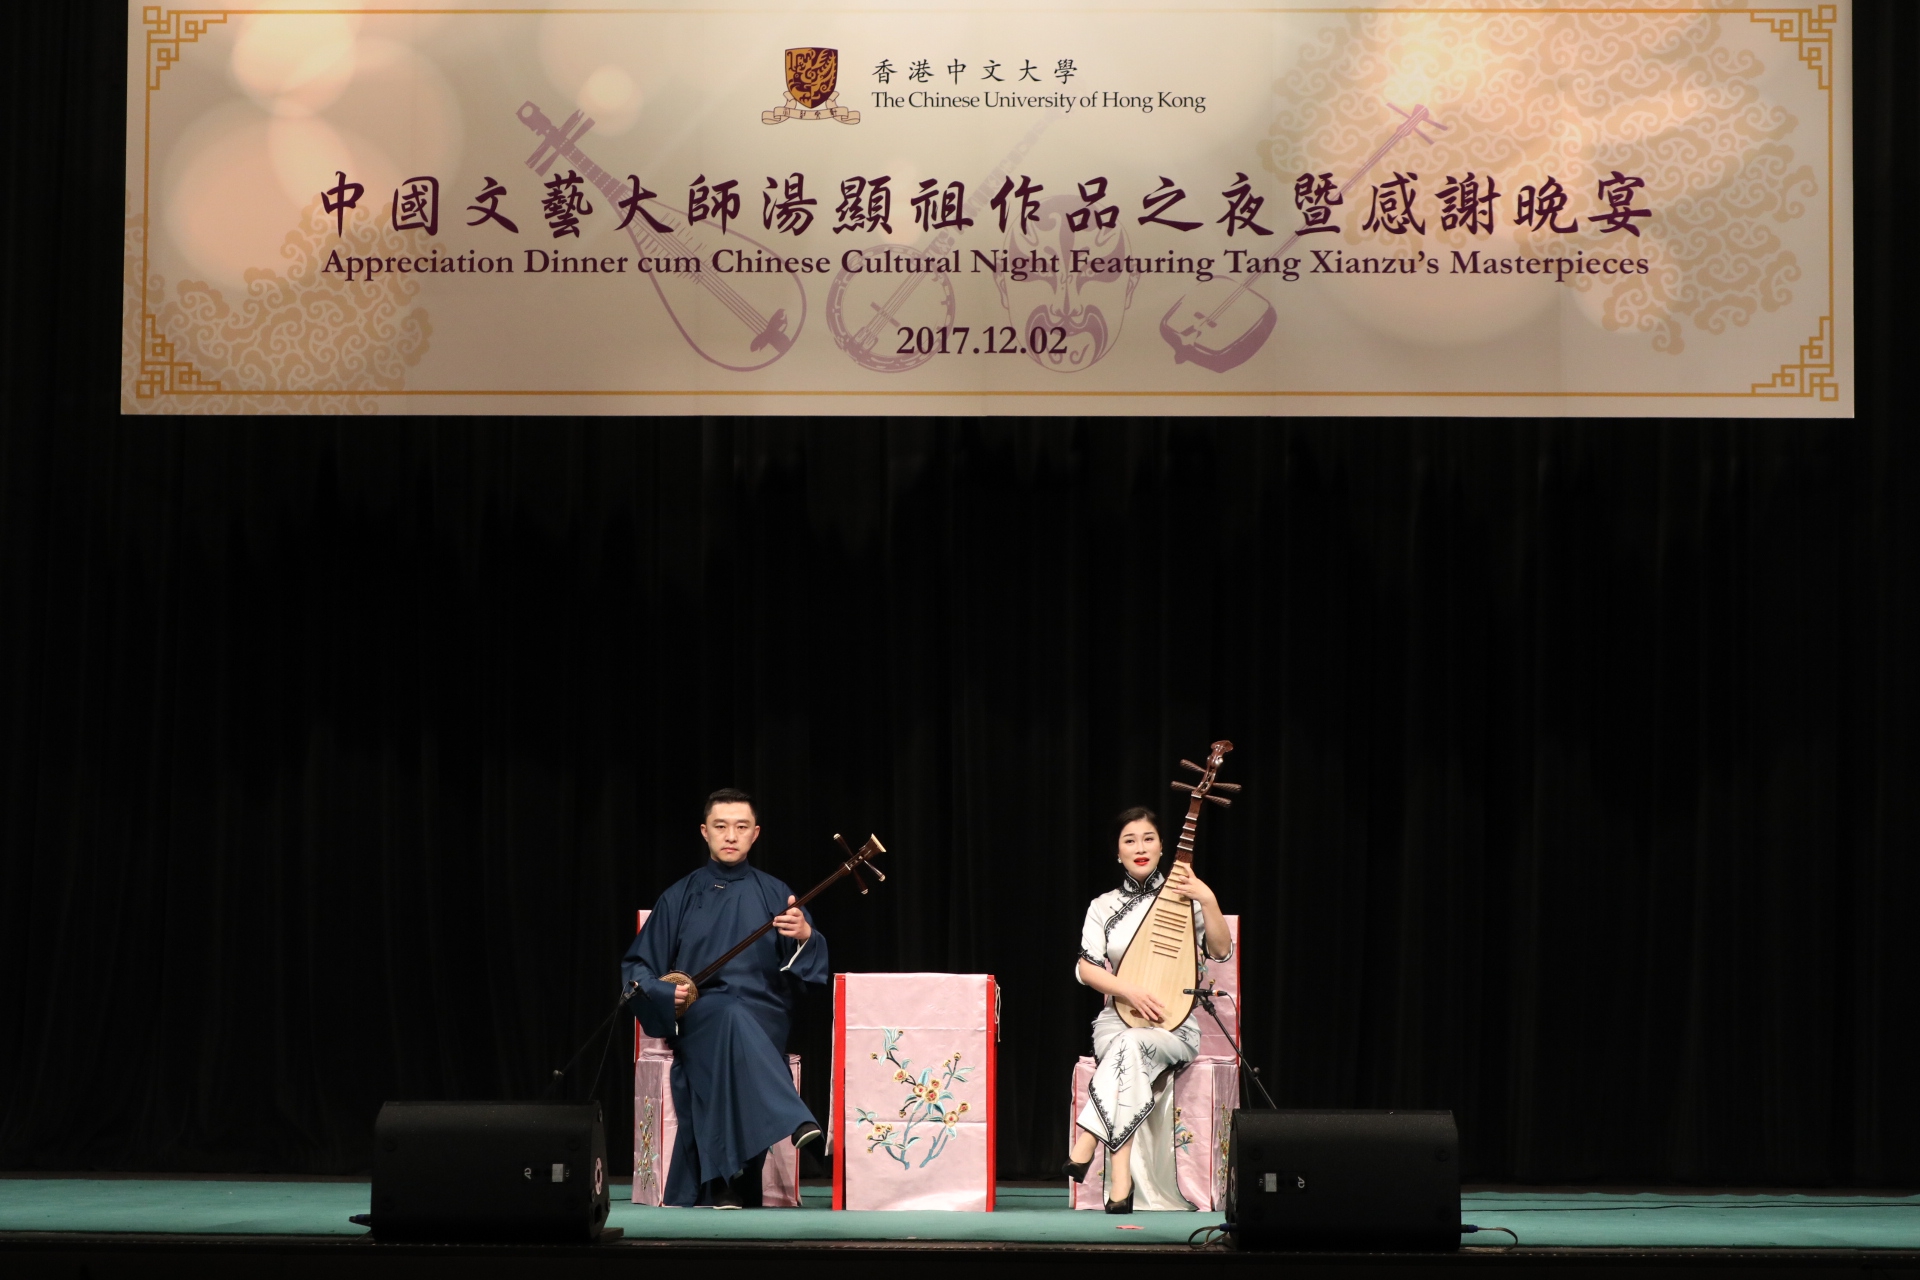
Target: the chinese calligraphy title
pixel 1468 204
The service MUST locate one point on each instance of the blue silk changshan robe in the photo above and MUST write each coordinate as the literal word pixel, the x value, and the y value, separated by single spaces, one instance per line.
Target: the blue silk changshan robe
pixel 732 1089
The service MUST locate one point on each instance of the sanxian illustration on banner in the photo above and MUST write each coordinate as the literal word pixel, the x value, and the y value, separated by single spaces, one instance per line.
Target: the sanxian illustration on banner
pixel 1483 207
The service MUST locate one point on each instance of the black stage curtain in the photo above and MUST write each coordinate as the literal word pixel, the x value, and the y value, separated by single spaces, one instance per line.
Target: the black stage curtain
pixel 336 757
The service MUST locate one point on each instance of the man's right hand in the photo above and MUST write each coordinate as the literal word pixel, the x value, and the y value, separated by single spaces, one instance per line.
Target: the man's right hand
pixel 682 997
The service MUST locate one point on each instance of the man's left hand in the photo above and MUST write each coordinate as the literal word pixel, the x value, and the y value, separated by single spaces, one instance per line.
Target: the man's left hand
pixel 792 923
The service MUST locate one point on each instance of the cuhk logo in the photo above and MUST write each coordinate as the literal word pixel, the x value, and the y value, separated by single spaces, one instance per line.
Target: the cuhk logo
pixel 811 76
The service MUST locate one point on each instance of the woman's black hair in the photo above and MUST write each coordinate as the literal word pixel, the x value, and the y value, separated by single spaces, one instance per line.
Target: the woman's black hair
pixel 1134 814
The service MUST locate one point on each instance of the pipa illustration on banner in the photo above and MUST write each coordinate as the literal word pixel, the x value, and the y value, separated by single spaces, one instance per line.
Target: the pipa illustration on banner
pixel 754 332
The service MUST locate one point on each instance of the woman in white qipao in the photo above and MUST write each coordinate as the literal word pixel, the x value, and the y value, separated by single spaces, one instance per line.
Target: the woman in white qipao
pixel 1136 1064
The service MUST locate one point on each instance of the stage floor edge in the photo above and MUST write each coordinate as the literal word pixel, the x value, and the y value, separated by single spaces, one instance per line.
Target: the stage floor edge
pixel 110 1226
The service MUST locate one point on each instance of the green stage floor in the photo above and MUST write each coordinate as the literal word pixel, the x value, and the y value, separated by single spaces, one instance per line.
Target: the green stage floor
pixel 1025 1215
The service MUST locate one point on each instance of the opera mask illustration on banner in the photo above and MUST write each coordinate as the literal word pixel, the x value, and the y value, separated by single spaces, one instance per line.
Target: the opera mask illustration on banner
pixel 1076 287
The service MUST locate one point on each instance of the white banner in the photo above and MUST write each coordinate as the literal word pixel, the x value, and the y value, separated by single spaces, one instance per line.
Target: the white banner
pixel 1424 208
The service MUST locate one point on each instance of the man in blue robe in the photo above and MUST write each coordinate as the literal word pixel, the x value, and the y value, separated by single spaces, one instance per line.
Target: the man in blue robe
pixel 732 1090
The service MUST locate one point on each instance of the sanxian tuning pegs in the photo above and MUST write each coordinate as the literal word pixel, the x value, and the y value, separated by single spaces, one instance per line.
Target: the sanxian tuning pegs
pixel 867 851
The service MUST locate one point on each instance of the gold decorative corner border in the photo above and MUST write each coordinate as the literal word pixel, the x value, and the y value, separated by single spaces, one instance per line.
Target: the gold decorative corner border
pixel 1813 375
pixel 167 31
pixel 1811 29
pixel 161 372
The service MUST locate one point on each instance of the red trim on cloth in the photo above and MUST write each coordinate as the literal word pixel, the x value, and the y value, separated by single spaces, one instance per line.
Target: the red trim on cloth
pixel 837 1121
pixel 993 1089
pixel 640 922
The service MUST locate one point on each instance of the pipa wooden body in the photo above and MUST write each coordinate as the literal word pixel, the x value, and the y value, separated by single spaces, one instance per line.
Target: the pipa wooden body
pixel 1164 956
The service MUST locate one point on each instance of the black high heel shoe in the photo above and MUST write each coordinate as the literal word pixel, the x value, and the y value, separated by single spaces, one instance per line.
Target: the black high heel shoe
pixel 1077 1170
pixel 1121 1206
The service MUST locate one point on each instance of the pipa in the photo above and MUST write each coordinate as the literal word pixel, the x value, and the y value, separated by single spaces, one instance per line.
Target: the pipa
pixel 1164 957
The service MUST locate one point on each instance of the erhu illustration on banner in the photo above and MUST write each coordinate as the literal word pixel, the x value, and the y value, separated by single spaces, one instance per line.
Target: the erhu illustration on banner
pixel 890 327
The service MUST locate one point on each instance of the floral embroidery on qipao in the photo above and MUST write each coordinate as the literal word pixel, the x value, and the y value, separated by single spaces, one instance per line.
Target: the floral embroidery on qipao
pixel 929 1102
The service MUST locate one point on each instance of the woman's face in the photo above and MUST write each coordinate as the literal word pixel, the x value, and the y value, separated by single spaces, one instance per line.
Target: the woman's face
pixel 1139 848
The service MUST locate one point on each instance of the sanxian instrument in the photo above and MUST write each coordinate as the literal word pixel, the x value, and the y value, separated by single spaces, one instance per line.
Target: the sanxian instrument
pixel 1220 324
pixel 1164 957
pixel 855 859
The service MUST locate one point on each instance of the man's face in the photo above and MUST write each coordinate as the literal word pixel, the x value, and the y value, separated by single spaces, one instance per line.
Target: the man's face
pixel 730 830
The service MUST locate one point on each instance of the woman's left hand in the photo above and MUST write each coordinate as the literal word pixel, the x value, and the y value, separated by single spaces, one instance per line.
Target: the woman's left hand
pixel 1182 880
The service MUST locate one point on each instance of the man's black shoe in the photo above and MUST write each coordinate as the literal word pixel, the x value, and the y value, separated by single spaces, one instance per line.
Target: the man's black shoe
pixel 807 1132
pixel 723 1195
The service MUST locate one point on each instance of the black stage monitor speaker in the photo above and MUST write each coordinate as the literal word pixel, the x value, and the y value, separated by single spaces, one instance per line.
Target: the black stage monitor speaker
pixel 489 1171
pixel 1344 1180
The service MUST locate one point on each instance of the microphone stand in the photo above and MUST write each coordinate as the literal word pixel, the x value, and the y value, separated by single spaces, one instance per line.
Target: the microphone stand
pixel 553 1082
pixel 1204 996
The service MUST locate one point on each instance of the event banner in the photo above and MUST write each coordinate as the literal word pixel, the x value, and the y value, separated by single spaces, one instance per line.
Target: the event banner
pixel 1468 207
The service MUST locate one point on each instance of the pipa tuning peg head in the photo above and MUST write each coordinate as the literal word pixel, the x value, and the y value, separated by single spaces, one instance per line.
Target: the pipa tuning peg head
pixel 842 842
pixel 1182 786
pixel 1222 801
pixel 1188 764
pixel 1226 786
pixel 859 883
pixel 871 847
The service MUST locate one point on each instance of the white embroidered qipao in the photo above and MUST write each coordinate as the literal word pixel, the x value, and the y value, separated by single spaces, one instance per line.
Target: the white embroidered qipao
pixel 1132 1087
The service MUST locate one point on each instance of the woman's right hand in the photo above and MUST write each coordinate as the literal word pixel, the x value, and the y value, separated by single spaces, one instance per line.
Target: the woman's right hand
pixel 1144 1003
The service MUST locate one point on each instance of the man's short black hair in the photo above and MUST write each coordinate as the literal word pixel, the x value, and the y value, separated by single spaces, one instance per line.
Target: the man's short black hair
pixel 729 795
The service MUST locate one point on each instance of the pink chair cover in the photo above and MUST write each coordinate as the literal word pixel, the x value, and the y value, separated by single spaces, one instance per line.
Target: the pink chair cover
pixel 1205 1093
pixel 1225 977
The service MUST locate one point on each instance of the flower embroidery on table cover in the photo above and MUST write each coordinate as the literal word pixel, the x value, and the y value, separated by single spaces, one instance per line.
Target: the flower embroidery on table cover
pixel 929 1101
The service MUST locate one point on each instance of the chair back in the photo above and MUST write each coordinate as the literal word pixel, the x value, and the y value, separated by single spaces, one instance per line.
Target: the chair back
pixel 1225 977
pixel 642 1042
